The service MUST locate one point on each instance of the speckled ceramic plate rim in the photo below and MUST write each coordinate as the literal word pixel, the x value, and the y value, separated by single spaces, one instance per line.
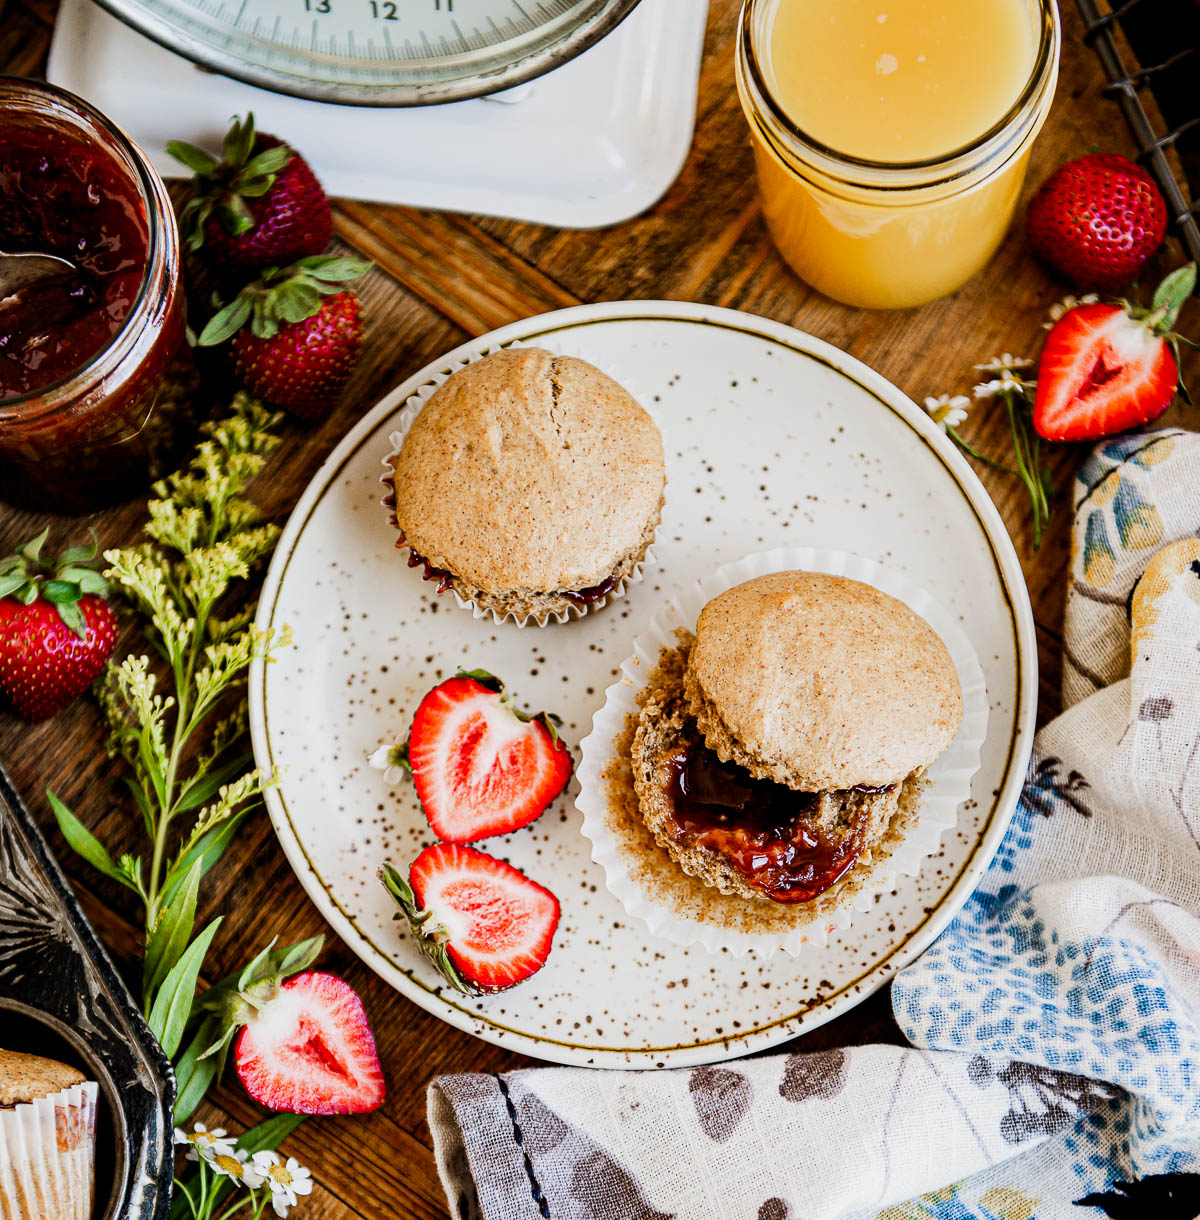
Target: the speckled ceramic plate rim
pixel 825 1006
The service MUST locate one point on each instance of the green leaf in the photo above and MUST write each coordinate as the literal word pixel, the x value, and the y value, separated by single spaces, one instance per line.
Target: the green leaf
pixel 60 592
pixel 79 554
pixel 254 188
pixel 249 974
pixel 1172 293
pixel 195 159
pixel 300 956
pixel 84 843
pixel 339 270
pixel 296 301
pixel 11 583
pixel 201 791
pixel 267 1136
pixel 239 142
pixel 32 550
pixel 173 1003
pixel 226 322
pixel 269 161
pixel 235 215
pixel 208 849
pixel 193 1074
pixel 171 932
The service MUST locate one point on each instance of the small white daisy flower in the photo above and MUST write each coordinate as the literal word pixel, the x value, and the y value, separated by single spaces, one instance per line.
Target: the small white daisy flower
pixel 201 1138
pixel 948 412
pixel 1004 364
pixel 1066 305
pixel 391 760
pixel 233 1163
pixel 1002 385
pixel 287 1179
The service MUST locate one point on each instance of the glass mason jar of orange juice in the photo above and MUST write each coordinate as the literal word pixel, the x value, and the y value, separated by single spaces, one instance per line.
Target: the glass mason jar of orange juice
pixel 891 136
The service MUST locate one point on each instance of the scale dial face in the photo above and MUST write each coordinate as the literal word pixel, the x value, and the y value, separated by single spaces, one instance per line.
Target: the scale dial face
pixel 377 52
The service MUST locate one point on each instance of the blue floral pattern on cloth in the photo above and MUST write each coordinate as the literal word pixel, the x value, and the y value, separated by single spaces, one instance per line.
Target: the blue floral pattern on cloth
pixel 1080 950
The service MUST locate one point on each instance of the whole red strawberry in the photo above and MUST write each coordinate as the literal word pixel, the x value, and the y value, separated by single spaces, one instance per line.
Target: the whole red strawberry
pixel 1097 220
pixel 56 629
pixel 260 205
pixel 1108 368
pixel 296 334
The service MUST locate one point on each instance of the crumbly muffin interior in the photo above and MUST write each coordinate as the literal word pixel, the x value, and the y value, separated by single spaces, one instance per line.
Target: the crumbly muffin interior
pixel 698 884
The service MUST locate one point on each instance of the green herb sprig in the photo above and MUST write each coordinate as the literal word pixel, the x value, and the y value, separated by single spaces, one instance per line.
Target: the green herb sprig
pixel 189 774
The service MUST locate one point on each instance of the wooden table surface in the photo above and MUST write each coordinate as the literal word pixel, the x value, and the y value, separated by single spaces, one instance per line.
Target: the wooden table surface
pixel 441 279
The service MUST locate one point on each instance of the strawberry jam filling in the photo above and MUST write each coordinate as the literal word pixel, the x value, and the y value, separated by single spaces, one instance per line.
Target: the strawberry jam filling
pixel 444 578
pixel 60 195
pixel 766 831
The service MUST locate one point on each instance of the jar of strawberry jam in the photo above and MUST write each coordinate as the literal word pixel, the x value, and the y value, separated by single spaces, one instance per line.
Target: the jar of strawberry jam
pixel 97 382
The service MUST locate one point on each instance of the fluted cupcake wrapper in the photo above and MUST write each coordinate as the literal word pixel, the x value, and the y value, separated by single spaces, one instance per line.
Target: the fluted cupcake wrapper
pixel 656 891
pixel 47 1155
pixel 404 421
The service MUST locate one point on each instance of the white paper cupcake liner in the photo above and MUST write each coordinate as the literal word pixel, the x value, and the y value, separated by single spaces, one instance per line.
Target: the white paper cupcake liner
pixel 404 421
pixel 47 1155
pixel 654 890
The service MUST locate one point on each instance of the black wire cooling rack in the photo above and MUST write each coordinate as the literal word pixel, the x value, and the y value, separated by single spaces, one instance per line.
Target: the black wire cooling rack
pixel 1165 35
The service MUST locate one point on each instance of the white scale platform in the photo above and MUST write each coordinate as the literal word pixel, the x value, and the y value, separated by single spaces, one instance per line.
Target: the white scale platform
pixel 591 143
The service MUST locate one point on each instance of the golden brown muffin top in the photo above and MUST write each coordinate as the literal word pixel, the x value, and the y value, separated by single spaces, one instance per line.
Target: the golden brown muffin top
pixel 821 682
pixel 529 471
pixel 27 1077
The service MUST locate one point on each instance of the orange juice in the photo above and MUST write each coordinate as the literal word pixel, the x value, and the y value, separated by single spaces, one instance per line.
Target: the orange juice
pixel 891 136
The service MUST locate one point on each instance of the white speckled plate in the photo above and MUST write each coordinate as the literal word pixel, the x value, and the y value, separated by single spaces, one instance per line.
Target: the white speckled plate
pixel 772 438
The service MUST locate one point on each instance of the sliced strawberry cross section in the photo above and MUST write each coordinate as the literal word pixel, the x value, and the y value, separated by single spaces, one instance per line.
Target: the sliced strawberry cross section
pixel 309 1049
pixel 482 767
pixel 483 924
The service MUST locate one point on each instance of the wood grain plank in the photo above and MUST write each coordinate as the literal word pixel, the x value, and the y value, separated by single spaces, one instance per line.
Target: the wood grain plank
pixel 440 278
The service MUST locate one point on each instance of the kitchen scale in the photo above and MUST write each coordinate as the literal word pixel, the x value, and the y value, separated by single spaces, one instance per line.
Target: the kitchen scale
pixel 575 113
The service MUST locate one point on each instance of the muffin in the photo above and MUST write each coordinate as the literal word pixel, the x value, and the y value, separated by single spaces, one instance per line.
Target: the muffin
pixel 531 484
pixel 47 1138
pixel 778 745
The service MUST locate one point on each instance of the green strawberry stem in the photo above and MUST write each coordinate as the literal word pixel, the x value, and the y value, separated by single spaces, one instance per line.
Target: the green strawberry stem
pixel 222 187
pixel 1030 468
pixel 26 576
pixel 429 934
pixel 967 447
pixel 282 296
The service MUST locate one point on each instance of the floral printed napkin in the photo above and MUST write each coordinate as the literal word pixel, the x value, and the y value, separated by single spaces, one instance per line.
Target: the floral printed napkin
pixel 1054 1069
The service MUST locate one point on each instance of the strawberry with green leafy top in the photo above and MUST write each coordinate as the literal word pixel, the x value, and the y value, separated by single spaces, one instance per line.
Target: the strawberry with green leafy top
pixel 300 1038
pixel 296 332
pixel 1107 368
pixel 260 205
pixel 481 922
pixel 56 629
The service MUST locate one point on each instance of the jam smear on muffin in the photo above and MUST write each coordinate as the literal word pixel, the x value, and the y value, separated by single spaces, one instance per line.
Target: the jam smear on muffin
pixel 766 831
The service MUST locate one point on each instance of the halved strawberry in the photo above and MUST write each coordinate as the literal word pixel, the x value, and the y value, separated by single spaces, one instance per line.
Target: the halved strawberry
pixel 482 923
pixel 307 1048
pixel 1107 368
pixel 481 766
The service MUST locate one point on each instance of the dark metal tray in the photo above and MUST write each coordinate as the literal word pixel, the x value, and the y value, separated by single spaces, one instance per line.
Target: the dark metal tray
pixel 60 996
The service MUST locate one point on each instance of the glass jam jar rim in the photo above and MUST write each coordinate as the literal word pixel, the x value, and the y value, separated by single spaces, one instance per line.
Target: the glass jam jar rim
pixel 54 392
pixel 1006 134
